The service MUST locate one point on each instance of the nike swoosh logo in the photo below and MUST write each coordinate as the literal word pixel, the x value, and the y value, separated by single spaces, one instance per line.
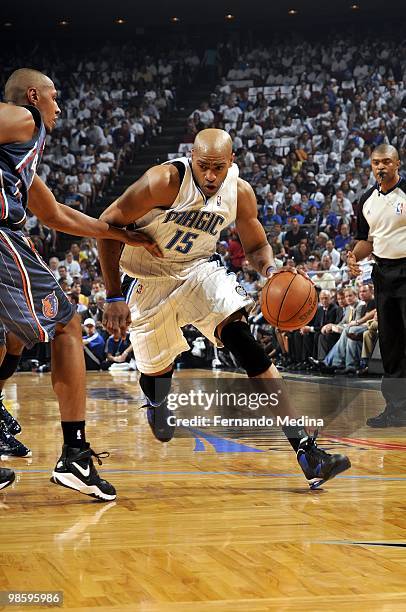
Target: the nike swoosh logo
pixel 84 472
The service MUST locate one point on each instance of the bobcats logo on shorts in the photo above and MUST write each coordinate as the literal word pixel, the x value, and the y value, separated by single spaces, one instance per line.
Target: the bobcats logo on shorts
pixel 241 291
pixel 50 306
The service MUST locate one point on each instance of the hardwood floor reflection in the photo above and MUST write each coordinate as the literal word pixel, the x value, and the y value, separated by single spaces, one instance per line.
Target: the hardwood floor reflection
pixel 201 526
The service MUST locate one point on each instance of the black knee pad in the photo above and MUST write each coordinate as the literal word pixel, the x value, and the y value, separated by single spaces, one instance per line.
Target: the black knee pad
pixel 156 388
pixel 237 338
pixel 9 366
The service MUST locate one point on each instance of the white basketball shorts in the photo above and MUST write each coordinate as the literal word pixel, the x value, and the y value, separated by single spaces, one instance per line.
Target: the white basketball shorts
pixel 159 308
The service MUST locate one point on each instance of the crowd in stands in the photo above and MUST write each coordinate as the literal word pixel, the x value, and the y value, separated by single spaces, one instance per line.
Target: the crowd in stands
pixel 112 101
pixel 304 118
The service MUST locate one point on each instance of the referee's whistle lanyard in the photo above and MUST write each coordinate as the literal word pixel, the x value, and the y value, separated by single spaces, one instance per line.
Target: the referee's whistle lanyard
pixel 379 186
pixel 379 183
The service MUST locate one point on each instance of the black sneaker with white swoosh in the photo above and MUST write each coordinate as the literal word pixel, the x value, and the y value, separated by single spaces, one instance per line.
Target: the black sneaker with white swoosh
pixel 75 470
pixel 6 477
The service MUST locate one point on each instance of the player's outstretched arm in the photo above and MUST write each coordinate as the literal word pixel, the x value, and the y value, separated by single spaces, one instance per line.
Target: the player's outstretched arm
pixel 159 186
pixel 65 219
pixel 252 235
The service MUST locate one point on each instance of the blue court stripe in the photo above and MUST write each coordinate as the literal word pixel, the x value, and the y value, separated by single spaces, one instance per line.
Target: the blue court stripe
pixel 225 473
pixel 199 446
pixel 225 445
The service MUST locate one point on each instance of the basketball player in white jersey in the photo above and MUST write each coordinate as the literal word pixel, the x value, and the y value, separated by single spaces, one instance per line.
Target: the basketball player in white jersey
pixel 182 206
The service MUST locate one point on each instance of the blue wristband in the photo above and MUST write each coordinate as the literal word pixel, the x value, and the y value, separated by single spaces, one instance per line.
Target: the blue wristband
pixel 115 299
pixel 270 269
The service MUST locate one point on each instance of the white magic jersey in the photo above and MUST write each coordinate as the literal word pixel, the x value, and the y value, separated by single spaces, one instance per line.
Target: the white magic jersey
pixel 186 232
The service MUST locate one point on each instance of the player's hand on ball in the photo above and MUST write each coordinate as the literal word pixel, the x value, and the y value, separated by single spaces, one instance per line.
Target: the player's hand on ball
pixel 292 269
pixel 139 239
pixel 116 317
pixel 272 271
pixel 353 267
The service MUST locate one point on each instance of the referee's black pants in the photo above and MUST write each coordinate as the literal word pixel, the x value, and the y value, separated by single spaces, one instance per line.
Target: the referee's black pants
pixel 389 278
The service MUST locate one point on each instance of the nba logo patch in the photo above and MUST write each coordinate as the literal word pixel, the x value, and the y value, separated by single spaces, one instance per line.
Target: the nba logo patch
pixel 399 208
pixel 219 200
pixel 50 306
pixel 140 288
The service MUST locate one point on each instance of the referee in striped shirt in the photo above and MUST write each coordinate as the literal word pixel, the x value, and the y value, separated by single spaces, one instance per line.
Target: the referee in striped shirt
pixel 382 231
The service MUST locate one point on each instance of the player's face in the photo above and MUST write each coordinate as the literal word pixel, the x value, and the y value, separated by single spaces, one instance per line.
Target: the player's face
pixel 210 171
pixel 48 106
pixel 384 167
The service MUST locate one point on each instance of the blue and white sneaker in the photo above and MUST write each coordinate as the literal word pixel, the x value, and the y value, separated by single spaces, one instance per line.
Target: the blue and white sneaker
pixel 317 465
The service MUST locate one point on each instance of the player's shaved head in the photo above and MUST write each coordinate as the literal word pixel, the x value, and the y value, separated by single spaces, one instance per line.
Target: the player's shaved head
pixel 29 87
pixel 386 150
pixel 213 142
pixel 21 81
pixel 212 156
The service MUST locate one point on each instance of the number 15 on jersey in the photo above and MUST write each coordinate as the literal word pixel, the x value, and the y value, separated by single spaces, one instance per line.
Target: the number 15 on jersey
pixel 182 240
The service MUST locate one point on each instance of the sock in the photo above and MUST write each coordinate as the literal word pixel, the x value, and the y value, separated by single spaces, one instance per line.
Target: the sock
pixel 294 434
pixel 9 366
pixel 156 388
pixel 74 433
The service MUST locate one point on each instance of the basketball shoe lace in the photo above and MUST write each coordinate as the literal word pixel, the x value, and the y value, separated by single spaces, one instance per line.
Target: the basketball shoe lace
pixel 314 453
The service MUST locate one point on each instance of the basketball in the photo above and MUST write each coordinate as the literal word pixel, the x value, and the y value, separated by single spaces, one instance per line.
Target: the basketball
pixel 289 300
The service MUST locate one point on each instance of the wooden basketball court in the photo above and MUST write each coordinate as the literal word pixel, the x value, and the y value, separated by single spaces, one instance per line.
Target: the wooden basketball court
pixel 199 525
